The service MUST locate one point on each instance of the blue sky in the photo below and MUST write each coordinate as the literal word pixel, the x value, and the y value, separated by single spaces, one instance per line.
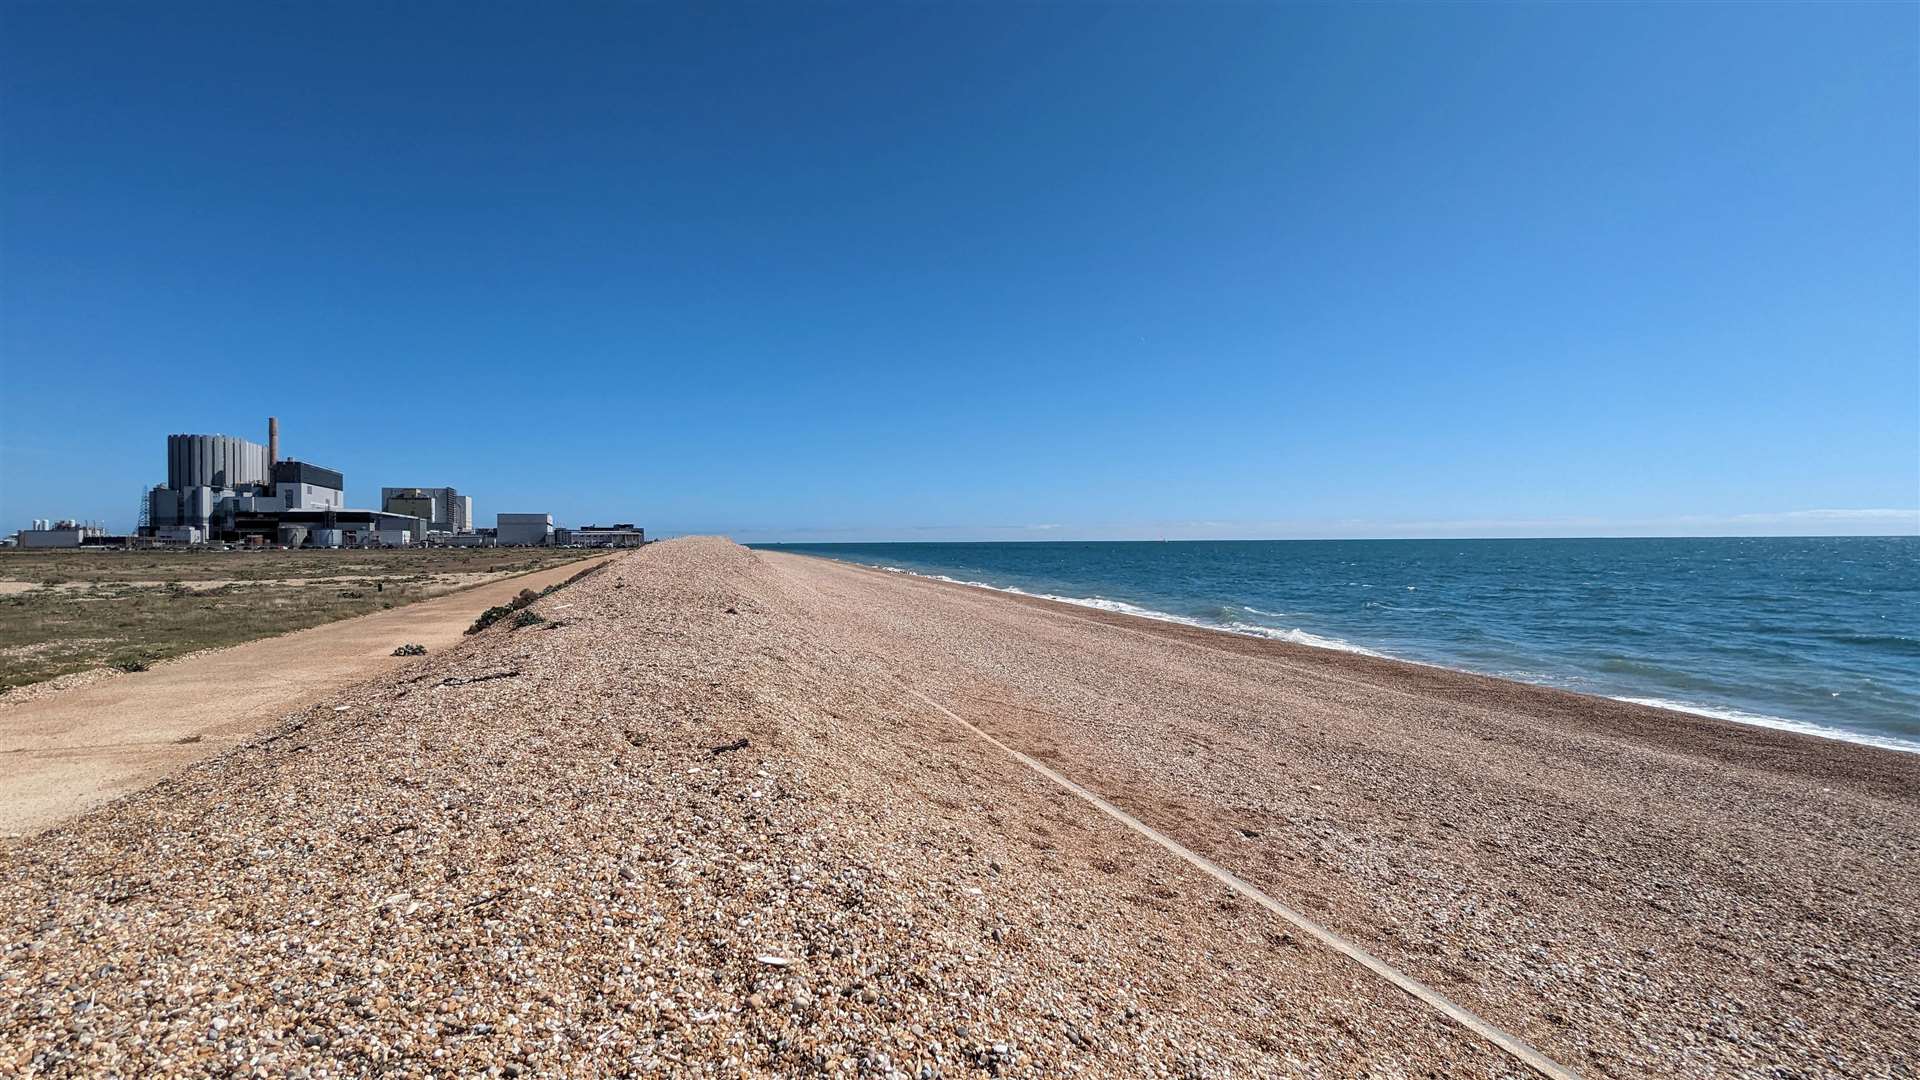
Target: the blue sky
pixel 984 271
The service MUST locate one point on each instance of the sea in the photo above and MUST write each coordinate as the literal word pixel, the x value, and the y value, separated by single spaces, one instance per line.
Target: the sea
pixel 1815 635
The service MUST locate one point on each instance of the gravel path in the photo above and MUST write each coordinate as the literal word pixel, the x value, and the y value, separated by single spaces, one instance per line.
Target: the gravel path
pixel 695 823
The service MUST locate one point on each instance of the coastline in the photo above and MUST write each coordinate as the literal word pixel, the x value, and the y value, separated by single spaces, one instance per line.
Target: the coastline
pixel 797 797
pixel 1306 639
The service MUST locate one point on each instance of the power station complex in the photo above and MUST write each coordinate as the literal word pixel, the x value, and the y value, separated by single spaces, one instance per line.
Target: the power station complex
pixel 222 489
pixel 231 490
pixel 226 489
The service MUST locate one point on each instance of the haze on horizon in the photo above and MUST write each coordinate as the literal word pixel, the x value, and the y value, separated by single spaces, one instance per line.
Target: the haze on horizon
pixel 1036 272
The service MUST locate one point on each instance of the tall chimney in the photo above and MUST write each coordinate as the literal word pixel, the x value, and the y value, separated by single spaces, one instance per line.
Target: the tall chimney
pixel 273 441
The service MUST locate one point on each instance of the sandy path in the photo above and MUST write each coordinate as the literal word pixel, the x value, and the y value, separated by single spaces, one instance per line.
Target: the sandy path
pixel 65 753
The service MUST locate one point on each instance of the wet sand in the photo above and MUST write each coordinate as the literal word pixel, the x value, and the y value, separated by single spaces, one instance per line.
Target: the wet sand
pixel 549 851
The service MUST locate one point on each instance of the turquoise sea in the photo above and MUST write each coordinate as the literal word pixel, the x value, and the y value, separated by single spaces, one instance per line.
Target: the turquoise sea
pixel 1819 635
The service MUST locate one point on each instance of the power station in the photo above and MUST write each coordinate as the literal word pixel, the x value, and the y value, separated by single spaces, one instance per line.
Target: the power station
pixel 223 489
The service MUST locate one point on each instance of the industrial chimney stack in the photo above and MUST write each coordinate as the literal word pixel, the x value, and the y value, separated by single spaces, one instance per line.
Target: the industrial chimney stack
pixel 273 441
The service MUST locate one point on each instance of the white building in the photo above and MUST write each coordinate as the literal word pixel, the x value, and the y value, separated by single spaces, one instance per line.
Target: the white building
pixel 58 534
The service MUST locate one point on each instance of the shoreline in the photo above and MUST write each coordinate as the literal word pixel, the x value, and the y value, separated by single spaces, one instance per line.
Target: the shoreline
pixel 844 820
pixel 1724 714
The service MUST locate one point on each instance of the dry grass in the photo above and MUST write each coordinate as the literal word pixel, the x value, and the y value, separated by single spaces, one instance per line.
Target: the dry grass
pixel 94 609
pixel 105 565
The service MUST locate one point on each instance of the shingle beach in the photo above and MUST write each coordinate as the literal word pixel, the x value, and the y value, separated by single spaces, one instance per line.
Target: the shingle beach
pixel 712 817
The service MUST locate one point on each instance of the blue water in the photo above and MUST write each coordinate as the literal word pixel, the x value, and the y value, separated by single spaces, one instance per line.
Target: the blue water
pixel 1819 635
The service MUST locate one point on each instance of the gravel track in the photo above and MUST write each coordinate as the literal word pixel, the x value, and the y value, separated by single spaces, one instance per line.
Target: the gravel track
pixel 550 852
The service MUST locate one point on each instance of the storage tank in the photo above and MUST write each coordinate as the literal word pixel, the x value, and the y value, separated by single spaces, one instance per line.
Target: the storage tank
pixel 327 538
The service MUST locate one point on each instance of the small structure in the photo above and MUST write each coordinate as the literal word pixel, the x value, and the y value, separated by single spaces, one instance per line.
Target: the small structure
pixel 524 530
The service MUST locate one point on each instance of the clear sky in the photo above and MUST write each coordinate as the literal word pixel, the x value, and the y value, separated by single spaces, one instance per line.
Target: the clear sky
pixel 990 271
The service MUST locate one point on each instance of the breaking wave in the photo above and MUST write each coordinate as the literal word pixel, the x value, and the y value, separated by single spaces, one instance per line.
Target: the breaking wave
pixel 1295 636
pixel 1781 723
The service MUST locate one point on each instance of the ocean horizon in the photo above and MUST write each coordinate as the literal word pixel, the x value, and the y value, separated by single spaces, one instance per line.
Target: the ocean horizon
pixel 1819 635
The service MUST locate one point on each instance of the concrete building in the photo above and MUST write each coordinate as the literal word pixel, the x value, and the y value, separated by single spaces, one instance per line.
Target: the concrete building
pixel 299 485
pixel 414 502
pixel 327 528
pixel 524 530
pixel 220 488
pixel 215 461
pixel 445 509
pixel 625 534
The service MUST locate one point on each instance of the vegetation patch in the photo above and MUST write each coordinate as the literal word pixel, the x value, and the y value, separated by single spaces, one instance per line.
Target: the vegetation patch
pixel 527 596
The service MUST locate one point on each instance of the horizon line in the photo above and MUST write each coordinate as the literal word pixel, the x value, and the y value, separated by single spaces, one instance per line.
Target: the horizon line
pixel 1345 539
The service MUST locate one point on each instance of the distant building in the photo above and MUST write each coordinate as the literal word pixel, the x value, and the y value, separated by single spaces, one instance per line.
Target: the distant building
pixel 625 534
pixel 524 530
pixel 302 486
pixel 413 503
pixel 58 534
pixel 445 509
pixel 215 480
pixel 327 528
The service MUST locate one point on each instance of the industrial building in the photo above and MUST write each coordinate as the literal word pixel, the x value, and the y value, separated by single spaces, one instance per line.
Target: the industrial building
pixel 625 534
pixel 59 534
pixel 523 530
pixel 445 509
pixel 224 488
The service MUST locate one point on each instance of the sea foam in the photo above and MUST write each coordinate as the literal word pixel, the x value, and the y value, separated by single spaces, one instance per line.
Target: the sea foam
pixel 1781 723
pixel 1295 636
